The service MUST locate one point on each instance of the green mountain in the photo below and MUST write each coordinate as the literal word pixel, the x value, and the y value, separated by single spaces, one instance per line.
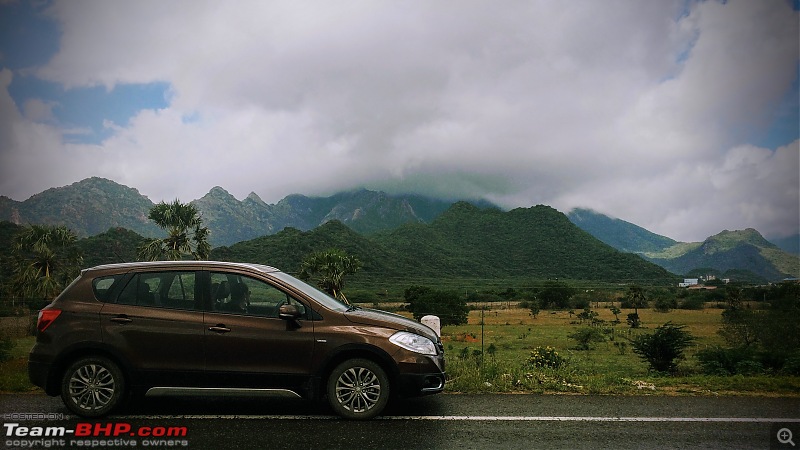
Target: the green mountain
pixel 117 245
pixel 95 205
pixel 87 207
pixel 730 250
pixel 364 211
pixel 622 235
pixel 741 255
pixel 464 242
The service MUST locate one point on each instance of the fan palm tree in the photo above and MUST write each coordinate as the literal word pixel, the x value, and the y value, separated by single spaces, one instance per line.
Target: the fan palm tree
pixel 637 299
pixel 45 260
pixel 330 268
pixel 186 235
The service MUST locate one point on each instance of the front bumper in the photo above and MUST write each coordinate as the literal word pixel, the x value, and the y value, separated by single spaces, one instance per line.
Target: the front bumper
pixel 418 384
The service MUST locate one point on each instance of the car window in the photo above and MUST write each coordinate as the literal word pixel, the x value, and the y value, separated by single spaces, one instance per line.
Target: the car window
pixel 104 286
pixel 170 289
pixel 241 294
pixel 322 297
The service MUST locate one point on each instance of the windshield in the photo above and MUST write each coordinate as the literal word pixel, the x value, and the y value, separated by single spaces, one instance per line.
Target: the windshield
pixel 321 297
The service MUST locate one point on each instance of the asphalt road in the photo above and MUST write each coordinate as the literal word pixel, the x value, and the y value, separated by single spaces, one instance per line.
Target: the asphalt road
pixel 446 421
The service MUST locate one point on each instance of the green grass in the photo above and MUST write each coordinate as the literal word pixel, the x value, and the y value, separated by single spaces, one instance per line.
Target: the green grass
pixel 611 367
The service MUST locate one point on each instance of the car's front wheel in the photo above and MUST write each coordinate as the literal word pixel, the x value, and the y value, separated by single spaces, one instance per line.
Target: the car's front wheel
pixel 358 389
pixel 92 386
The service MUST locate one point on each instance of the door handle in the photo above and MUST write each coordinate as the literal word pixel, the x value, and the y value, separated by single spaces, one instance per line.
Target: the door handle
pixel 121 319
pixel 219 329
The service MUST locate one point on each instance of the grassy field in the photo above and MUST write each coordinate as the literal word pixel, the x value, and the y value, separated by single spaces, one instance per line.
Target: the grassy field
pixel 611 367
pixel 510 334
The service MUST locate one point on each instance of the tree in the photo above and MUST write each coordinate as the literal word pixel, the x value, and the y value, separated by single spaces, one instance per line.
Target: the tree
pixel 635 299
pixel 535 307
pixel 662 348
pixel 615 311
pixel 588 315
pixel 329 269
pixel 449 306
pixel 45 260
pixel 585 337
pixel 555 294
pixel 740 324
pixel 186 235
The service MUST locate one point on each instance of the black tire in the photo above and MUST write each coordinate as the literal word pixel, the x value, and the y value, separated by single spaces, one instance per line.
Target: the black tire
pixel 92 386
pixel 358 389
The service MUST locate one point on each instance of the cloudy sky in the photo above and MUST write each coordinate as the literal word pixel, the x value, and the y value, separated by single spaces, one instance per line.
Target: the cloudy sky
pixel 678 116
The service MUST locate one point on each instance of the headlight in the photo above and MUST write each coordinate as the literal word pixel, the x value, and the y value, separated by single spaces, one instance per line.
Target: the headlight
pixel 413 342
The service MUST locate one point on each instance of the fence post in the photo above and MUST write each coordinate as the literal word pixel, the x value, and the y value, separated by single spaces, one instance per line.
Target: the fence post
pixel 434 323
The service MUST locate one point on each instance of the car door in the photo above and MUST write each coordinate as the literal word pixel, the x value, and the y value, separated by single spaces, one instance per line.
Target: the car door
pixel 156 325
pixel 246 344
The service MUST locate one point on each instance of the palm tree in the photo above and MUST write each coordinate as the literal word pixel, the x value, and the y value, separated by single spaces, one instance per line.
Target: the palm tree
pixel 186 235
pixel 330 267
pixel 636 298
pixel 45 260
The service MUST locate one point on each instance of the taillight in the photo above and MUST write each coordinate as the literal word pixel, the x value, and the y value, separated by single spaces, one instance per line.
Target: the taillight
pixel 46 317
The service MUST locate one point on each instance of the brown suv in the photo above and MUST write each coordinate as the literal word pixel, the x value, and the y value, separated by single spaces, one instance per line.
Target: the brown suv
pixel 217 328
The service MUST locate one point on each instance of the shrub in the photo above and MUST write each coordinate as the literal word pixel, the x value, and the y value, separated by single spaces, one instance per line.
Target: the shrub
pixel 792 365
pixel 585 337
pixel 693 302
pixel 535 307
pixel 664 347
pixel 546 357
pixel 580 302
pixel 664 304
pixel 723 361
pixel 633 320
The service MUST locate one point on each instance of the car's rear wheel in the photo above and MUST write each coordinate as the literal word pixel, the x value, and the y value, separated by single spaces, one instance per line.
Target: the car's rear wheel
pixel 92 386
pixel 358 389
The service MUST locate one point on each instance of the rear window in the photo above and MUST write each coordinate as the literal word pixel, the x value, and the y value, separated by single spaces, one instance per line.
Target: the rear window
pixel 104 286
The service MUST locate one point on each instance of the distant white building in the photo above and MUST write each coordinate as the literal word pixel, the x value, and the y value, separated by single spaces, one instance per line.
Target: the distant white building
pixel 689 282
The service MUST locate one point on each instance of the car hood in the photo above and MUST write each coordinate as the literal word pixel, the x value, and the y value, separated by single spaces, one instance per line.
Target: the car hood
pixel 388 320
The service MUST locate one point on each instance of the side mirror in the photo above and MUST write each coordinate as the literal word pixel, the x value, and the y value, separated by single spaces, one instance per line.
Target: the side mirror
pixel 289 312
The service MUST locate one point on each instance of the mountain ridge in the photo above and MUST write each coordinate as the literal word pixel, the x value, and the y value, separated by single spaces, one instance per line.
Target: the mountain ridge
pixel 94 205
pixel 725 251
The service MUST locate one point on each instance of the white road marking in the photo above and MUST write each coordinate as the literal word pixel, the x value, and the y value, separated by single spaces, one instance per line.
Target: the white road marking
pixel 479 418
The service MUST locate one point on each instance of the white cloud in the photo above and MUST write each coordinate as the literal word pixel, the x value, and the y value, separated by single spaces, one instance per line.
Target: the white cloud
pixel 628 107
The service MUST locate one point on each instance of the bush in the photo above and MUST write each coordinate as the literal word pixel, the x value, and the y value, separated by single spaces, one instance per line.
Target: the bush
pixel 693 302
pixel 535 307
pixel 792 365
pixel 546 357
pixel 664 304
pixel 723 361
pixel 585 337
pixel 664 347
pixel 580 302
